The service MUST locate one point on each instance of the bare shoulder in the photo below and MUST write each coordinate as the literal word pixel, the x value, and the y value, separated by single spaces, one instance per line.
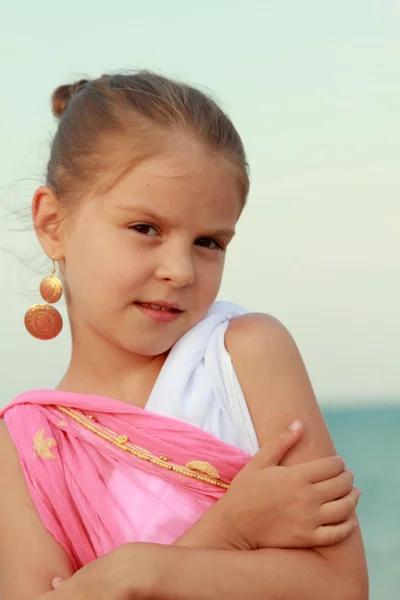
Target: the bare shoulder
pixel 26 547
pixel 276 384
pixel 257 332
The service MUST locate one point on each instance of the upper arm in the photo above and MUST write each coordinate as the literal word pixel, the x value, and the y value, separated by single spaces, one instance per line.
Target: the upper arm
pixel 29 555
pixel 276 384
pixel 278 391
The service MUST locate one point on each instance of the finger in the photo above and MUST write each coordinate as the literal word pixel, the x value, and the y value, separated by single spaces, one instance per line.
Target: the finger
pixel 339 510
pixel 273 452
pixel 322 468
pixel 327 535
pixel 335 487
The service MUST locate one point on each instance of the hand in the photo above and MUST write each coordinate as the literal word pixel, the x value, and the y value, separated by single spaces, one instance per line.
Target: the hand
pixel 123 574
pixel 268 506
pixel 305 505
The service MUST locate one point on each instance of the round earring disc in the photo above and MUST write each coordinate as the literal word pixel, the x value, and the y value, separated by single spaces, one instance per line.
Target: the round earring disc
pixel 51 289
pixel 44 322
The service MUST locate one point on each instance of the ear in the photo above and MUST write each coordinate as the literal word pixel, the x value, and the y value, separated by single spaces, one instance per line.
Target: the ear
pixel 47 218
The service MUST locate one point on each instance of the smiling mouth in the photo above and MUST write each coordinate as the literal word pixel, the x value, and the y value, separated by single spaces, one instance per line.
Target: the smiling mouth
pixel 160 307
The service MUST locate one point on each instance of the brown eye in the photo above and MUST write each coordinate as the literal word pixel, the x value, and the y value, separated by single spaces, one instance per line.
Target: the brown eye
pixel 145 229
pixel 209 243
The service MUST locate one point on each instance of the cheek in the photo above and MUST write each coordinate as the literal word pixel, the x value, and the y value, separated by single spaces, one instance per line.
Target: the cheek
pixel 103 266
pixel 87 262
pixel 210 276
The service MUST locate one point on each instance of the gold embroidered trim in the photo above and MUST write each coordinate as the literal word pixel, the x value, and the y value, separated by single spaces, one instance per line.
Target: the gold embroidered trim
pixel 122 442
pixel 42 446
pixel 203 467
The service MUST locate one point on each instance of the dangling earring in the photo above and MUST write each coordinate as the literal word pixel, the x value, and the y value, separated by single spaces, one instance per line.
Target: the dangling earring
pixel 43 321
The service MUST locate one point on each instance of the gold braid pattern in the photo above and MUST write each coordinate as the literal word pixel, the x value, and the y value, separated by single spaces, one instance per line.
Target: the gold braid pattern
pixel 206 472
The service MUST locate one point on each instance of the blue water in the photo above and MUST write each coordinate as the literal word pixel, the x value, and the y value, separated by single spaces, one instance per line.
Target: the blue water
pixel 369 440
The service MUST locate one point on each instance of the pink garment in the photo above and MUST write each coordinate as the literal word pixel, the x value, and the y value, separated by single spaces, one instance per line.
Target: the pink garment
pixel 91 494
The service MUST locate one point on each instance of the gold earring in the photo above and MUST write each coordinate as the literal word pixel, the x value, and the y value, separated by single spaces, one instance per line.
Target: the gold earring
pixel 43 321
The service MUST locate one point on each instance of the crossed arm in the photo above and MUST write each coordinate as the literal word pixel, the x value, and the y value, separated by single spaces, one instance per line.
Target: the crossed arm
pixel 268 366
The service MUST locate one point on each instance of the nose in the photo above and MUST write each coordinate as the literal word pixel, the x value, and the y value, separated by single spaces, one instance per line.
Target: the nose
pixel 176 265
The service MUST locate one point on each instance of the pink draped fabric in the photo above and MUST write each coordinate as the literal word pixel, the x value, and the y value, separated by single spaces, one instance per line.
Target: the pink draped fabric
pixel 103 472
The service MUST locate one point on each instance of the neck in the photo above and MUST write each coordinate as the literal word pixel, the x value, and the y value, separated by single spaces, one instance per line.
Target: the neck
pixel 98 367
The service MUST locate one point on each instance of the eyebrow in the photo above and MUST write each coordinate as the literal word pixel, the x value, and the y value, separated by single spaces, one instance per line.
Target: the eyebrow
pixel 223 233
pixel 151 215
pixel 137 209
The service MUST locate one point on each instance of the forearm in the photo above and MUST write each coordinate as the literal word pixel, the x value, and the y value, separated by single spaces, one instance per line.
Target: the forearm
pixel 221 566
pixel 267 574
pixel 211 531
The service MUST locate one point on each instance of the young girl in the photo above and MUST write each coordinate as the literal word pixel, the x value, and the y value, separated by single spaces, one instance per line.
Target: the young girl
pixel 133 479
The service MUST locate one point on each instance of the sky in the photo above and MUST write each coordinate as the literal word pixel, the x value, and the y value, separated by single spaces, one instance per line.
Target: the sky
pixel 313 88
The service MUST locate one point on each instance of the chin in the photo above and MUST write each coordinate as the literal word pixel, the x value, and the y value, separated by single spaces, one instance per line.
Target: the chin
pixel 148 347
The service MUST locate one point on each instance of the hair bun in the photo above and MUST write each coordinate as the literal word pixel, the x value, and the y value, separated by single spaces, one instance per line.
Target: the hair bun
pixel 64 94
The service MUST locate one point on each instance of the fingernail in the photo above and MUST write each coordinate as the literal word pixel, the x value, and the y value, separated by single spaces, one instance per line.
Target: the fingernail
pixel 57 581
pixel 295 426
pixel 358 492
pixel 355 523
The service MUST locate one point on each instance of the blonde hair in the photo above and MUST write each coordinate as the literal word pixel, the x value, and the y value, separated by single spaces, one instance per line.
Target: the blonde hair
pixel 110 124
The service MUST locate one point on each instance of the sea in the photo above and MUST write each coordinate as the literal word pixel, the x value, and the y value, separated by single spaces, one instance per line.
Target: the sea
pixel 369 440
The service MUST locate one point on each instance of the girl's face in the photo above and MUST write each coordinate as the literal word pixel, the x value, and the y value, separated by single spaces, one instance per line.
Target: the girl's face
pixel 143 263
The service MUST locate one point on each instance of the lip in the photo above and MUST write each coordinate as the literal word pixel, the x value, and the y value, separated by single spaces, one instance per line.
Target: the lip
pixel 166 304
pixel 160 316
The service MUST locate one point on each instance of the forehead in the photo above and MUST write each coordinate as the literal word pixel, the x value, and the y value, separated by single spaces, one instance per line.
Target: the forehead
pixel 184 183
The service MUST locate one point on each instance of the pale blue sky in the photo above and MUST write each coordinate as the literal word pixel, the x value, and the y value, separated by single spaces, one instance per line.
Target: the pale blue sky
pixel 314 89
